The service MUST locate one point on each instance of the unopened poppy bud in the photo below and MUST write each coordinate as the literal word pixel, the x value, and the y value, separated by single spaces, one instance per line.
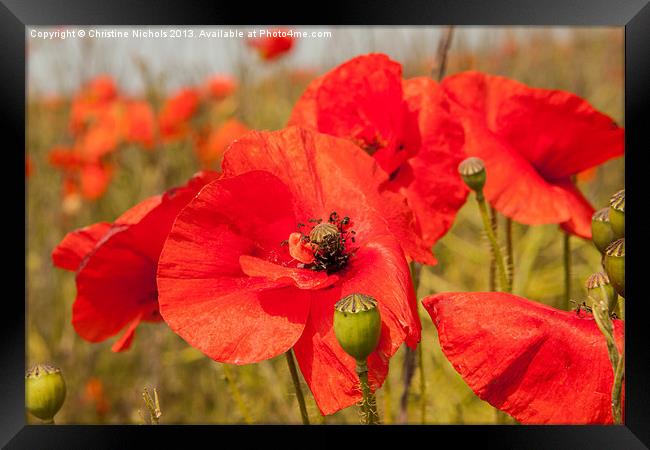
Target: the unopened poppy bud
pixel 44 391
pixel 601 230
pixel 599 289
pixel 357 325
pixel 615 265
pixel 617 213
pixel 472 170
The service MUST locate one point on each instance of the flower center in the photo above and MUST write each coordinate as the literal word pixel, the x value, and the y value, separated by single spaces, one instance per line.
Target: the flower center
pixel 325 244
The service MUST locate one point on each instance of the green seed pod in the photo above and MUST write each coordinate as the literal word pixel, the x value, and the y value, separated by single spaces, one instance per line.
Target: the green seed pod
pixel 601 230
pixel 357 325
pixel 44 391
pixel 615 265
pixel 599 288
pixel 617 213
pixel 472 170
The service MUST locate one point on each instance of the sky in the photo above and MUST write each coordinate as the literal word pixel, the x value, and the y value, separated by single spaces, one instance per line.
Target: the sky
pixel 56 65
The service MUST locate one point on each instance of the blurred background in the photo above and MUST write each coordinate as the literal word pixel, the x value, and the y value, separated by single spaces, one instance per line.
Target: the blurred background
pixel 186 99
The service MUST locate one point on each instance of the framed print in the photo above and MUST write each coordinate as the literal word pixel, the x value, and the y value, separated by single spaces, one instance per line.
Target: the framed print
pixel 391 215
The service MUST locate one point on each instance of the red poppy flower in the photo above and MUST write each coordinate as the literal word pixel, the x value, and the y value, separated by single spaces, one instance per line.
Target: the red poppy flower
pixel 139 123
pixel 116 265
pixel 404 124
pixel 537 363
pixel 210 149
pixel 94 394
pixel 91 101
pixel 273 44
pixel 229 286
pixel 176 112
pixel 220 86
pixel 82 175
pixel 100 139
pixel 533 141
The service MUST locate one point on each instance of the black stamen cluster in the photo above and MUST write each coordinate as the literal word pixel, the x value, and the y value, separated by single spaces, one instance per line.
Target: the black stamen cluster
pixel 329 238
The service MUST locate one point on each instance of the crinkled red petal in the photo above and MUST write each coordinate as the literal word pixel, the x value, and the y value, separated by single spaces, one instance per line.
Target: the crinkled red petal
pixel 539 364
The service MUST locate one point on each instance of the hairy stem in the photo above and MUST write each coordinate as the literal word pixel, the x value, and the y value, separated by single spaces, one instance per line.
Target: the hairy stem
pixel 234 391
pixel 567 269
pixel 503 278
pixel 606 326
pixel 296 384
pixel 493 265
pixel 368 402
pixel 510 261
pixel 617 389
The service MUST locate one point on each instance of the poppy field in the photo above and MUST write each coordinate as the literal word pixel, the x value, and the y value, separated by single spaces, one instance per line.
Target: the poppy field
pixel 389 226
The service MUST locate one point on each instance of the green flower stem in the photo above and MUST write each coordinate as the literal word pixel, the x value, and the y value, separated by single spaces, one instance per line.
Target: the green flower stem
pixel 503 278
pixel 296 384
pixel 604 322
pixel 567 269
pixel 234 391
pixel 493 266
pixel 368 402
pixel 510 262
pixel 617 412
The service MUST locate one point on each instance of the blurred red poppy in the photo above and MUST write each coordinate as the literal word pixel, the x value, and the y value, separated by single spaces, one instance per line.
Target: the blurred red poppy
pixel 532 141
pixel 220 86
pixel 139 123
pixel 537 363
pixel 91 101
pixel 116 263
pixel 82 175
pixel 229 286
pixel 272 45
pixel 404 124
pixel 94 394
pixel 176 112
pixel 210 148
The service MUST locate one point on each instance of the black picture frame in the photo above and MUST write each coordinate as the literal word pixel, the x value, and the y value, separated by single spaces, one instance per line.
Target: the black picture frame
pixel 15 15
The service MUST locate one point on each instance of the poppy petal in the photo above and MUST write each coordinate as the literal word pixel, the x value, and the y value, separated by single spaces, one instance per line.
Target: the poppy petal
pixel 513 185
pixel 558 132
pixel 362 99
pixel 429 180
pixel 95 179
pixel 539 364
pixel 327 369
pixel 532 140
pixel 116 282
pixel 329 174
pixel 114 272
pixel 124 342
pixel 206 298
pixel 301 278
pixel 580 209
pixel 77 244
